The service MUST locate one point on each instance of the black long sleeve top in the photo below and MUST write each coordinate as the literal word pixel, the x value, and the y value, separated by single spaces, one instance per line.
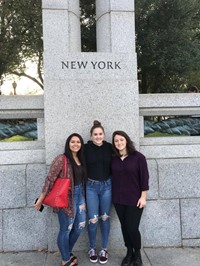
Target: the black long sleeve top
pixel 129 178
pixel 98 160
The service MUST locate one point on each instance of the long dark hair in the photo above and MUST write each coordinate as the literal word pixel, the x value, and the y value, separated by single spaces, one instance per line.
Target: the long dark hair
pixel 80 153
pixel 129 145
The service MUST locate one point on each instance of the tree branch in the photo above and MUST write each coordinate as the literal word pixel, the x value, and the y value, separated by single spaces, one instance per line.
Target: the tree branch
pixel 27 76
pixel 39 67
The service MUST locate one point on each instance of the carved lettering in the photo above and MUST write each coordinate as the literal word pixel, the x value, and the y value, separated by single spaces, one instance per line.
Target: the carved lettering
pixel 82 64
pixel 92 64
pixel 109 65
pixel 101 65
pixel 73 64
pixel 65 65
pixel 117 65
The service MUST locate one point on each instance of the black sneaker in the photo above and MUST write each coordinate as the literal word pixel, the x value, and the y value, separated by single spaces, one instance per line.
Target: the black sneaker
pixel 128 259
pixel 137 260
pixel 93 255
pixel 103 256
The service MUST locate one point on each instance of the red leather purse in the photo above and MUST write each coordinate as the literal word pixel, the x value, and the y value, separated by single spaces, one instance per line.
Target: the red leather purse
pixel 58 196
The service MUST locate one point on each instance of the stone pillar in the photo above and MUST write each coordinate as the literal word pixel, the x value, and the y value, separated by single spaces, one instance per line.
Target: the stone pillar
pixel 103 26
pixel 74 26
pixel 61 26
pixel 82 87
pixel 116 34
pixel 61 35
pixel 115 26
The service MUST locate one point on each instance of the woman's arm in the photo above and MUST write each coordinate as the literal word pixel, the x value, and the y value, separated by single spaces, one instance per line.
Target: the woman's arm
pixel 55 169
pixel 38 204
pixel 142 200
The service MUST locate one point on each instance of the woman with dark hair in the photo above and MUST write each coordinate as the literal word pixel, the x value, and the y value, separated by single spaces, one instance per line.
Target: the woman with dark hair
pixel 98 190
pixel 71 219
pixel 129 188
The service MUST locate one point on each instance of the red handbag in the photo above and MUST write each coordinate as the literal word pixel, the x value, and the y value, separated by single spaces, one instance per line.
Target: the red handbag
pixel 58 196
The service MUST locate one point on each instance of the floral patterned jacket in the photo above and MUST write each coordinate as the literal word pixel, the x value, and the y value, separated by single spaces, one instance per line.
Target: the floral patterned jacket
pixel 56 171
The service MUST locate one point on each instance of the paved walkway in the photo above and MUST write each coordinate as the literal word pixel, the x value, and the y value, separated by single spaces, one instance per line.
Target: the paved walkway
pixel 151 257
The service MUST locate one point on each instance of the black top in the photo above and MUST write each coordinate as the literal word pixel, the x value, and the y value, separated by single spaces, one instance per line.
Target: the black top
pixel 98 160
pixel 78 174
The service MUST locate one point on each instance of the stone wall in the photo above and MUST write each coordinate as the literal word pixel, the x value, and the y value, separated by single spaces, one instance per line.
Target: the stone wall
pixel 171 217
pixel 22 171
pixel 173 209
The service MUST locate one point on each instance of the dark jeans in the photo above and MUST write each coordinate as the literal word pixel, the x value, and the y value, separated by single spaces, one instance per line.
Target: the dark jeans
pixel 129 217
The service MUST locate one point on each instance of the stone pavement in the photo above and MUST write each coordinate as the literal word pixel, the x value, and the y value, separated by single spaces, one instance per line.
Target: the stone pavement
pixel 151 257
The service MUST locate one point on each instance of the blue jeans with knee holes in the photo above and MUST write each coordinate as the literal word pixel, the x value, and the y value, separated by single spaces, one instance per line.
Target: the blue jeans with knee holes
pixel 70 228
pixel 98 199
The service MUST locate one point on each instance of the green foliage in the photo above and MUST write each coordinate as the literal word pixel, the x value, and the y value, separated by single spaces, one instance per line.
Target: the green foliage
pixel 167 40
pixel 159 134
pixel 16 138
pixel 88 25
pixel 168 45
pixel 20 35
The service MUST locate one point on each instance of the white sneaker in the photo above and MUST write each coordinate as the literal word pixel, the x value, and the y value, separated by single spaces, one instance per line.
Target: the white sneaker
pixel 103 256
pixel 93 255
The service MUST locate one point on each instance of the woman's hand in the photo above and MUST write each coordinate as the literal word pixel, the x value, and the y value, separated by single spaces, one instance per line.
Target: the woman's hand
pixel 38 204
pixel 142 200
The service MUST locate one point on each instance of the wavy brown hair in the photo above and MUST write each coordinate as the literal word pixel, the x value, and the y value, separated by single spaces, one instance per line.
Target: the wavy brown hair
pixel 129 145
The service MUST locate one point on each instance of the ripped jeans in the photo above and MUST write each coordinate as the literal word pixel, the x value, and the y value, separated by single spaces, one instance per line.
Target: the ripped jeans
pixel 70 228
pixel 98 198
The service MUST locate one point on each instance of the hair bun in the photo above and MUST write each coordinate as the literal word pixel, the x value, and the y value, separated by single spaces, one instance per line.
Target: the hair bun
pixel 96 123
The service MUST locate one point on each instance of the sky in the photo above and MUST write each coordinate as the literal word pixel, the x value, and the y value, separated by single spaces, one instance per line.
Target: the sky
pixel 25 86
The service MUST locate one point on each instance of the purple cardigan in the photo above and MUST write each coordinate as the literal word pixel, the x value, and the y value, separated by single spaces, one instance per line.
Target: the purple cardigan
pixel 129 178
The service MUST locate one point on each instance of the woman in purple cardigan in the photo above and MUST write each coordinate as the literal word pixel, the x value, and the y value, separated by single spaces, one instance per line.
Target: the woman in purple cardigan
pixel 129 188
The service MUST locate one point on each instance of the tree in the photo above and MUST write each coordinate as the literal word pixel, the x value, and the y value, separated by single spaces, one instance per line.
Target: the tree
pixel 88 25
pixel 167 40
pixel 168 47
pixel 21 37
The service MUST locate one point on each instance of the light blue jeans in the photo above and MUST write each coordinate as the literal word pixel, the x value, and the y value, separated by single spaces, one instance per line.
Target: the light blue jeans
pixel 98 199
pixel 70 228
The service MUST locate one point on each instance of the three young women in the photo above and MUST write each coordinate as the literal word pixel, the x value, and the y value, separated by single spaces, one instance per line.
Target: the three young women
pixel 129 188
pixel 72 219
pixel 98 154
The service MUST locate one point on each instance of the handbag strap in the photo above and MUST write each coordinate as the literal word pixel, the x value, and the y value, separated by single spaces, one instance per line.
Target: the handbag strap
pixel 65 167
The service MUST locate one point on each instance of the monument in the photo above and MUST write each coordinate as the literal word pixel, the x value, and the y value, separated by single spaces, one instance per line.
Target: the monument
pixel 81 87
